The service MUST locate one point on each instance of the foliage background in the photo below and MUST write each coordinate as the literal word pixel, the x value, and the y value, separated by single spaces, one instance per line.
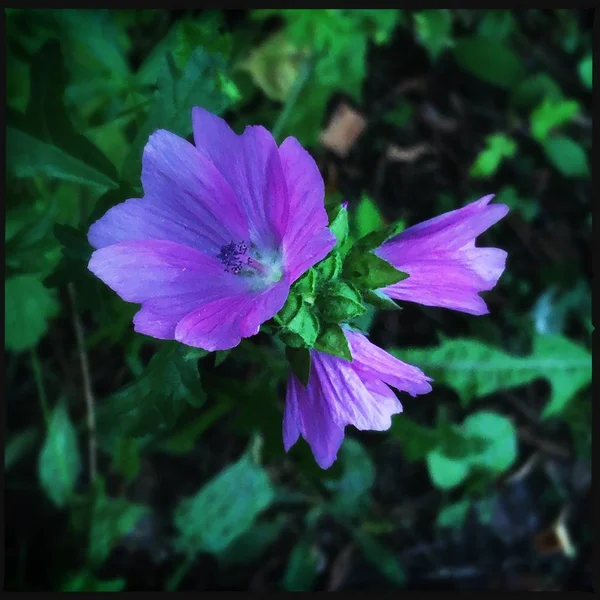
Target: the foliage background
pixel 181 482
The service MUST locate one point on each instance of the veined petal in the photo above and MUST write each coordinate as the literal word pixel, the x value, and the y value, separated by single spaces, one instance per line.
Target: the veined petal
pixel 374 363
pixel 307 239
pixel 222 323
pixel 174 171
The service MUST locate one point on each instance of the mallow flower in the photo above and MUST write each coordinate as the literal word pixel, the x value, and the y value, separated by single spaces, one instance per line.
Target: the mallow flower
pixel 445 267
pixel 223 229
pixel 341 392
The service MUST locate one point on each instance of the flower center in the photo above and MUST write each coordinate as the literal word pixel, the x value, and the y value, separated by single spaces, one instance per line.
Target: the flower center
pixel 245 260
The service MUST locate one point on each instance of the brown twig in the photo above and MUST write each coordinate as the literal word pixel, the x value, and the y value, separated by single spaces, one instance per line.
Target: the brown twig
pixel 87 387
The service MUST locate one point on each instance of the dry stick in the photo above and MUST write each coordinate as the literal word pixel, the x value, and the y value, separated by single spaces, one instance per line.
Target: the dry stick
pixel 87 387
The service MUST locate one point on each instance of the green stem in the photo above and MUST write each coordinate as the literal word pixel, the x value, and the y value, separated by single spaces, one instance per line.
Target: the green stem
pixel 290 102
pixel 175 580
pixel 39 384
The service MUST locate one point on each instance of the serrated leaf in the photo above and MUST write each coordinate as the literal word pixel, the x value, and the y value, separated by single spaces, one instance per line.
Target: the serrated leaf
pixel 474 369
pixel 223 509
pixel 156 400
pixel 567 156
pixel 351 491
pixel 369 271
pixel 333 341
pixel 59 461
pixel 29 306
pixel 490 60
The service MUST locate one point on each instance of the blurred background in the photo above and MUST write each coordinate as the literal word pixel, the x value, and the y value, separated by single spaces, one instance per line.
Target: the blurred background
pixel 134 464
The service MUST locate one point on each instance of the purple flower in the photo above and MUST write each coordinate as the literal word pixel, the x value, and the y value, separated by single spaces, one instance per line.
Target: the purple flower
pixel 224 228
pixel 445 267
pixel 342 392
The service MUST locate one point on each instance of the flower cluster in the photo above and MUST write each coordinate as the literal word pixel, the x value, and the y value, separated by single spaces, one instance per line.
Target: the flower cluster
pixel 232 232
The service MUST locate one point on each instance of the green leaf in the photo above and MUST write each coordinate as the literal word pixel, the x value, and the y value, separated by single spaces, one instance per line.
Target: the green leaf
pixel 453 515
pixel 474 370
pixel 498 147
pixel 156 400
pixel 126 459
pixel 585 71
pixel 220 356
pixel 177 94
pixel 29 157
pixel 533 90
pixel 381 557
pixel 18 445
pixel 528 208
pixel 551 114
pixel 299 359
pixel 494 450
pixel 567 156
pixel 340 302
pixel 446 473
pixel 306 286
pixel 302 330
pixel 339 226
pixel 252 544
pixel 369 271
pixel 223 509
pixel 85 581
pixel 379 300
pixel 183 439
pixel 302 567
pixel 367 217
pixel 490 60
pixel 43 140
pixel 333 341
pixel 29 306
pixel 496 24
pixel 499 432
pixel 59 461
pixel 275 65
pixel 351 491
pixel 74 242
pixel 434 30
pixel 329 268
pixel 112 518
pixel 417 441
